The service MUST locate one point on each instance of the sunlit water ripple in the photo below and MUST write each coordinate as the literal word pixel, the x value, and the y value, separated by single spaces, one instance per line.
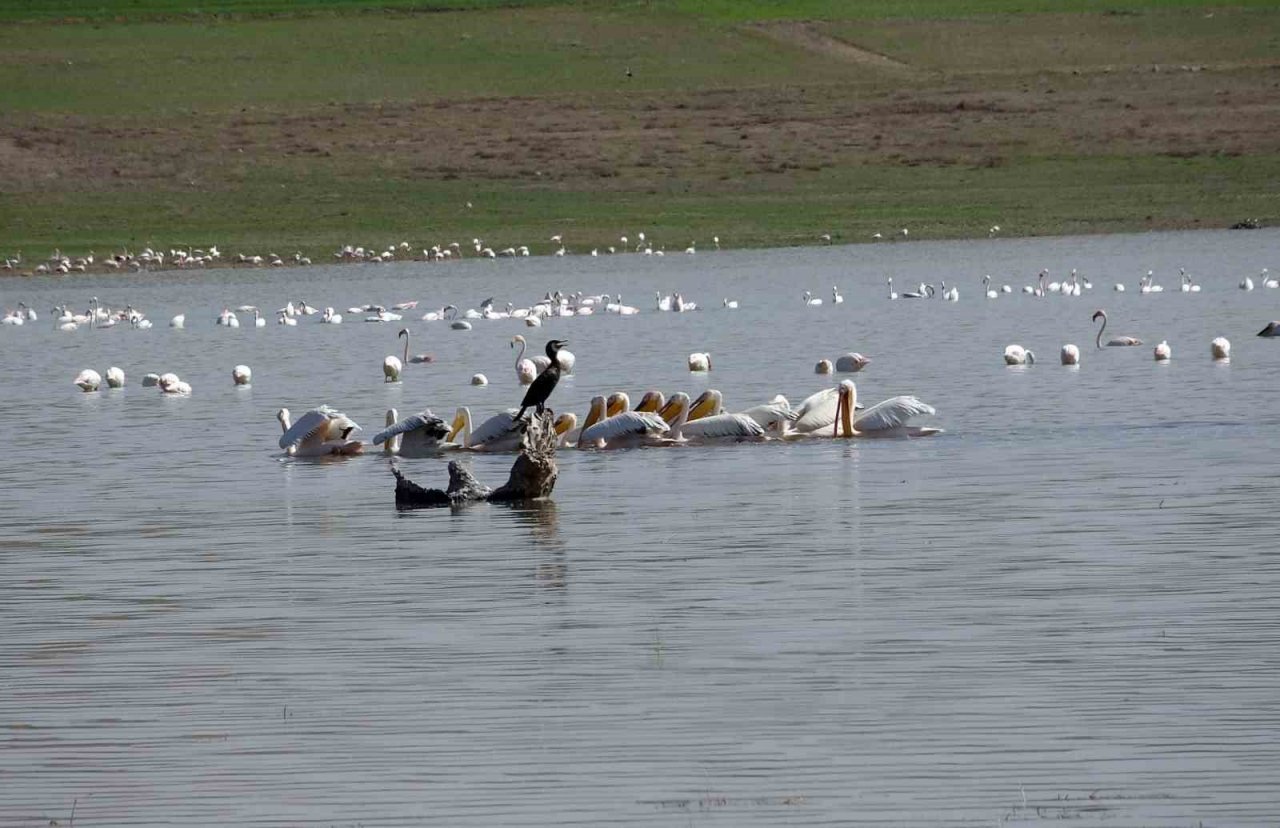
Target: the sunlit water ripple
pixel 1065 608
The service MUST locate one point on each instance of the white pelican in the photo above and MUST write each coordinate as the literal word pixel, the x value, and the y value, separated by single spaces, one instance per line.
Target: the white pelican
pixel 241 375
pixel 885 419
pixel 171 384
pixel 1272 329
pixel 626 429
pixel 179 321
pixel 823 367
pixel 498 433
pixel 526 371
pixel 836 298
pixel 852 363
pixel 416 359
pixel 1163 352
pixel 331 317
pixel 88 380
pixel 1070 355
pixel 418 435
pixel 564 425
pixel 1017 355
pixel 699 361
pixel 321 432
pixel 704 419
pixel 115 376
pixel 1220 348
pixel 479 379
pixel 391 368
pixel 986 284
pixel 811 300
pixel 1120 341
pixel 731 304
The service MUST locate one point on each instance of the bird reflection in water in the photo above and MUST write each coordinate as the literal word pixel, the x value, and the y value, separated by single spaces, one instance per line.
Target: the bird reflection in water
pixel 543 521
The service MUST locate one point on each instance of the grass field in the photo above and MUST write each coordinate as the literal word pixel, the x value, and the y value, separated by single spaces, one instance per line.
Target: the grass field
pixel 161 122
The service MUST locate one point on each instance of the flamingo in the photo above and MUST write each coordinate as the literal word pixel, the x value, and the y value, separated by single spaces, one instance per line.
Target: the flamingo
pixel 241 375
pixel 1070 355
pixel 1220 347
pixel 852 363
pixel 699 361
pixel 526 371
pixel 1163 352
pixel 115 377
pixel 1120 341
pixel 415 358
pixel 1017 355
pixel 88 380
pixel 811 300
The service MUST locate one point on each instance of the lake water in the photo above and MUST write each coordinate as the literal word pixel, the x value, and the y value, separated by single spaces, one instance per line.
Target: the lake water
pixel 1067 607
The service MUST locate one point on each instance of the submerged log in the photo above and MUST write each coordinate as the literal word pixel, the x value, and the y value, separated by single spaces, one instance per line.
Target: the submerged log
pixel 532 476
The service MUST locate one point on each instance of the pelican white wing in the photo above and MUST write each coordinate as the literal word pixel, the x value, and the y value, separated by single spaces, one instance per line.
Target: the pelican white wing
pixel 817 411
pixel 497 431
pixel 721 426
pixel 325 422
pixel 890 414
pixel 430 424
pixel 625 424
pixel 770 414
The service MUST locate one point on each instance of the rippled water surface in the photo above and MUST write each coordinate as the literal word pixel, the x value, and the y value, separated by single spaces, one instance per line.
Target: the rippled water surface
pixel 1067 607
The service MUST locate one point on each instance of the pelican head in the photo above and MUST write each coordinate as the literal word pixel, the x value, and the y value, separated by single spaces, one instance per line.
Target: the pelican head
pixel 461 417
pixel 594 415
pixel 617 403
pixel 565 423
pixel 676 409
pixel 707 404
pixel 652 401
pixel 846 404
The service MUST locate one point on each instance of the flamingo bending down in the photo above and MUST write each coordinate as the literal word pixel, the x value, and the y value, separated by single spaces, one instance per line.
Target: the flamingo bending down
pixel 1163 352
pixel 1070 355
pixel 1220 347
pixel 1018 355
pixel 699 361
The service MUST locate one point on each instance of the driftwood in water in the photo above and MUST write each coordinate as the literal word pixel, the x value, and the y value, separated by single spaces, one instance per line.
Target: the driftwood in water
pixel 532 477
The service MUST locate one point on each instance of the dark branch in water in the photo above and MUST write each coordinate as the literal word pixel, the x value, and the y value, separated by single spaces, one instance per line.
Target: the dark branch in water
pixel 532 477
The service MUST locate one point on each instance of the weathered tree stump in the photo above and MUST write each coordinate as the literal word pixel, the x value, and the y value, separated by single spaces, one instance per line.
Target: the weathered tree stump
pixel 532 476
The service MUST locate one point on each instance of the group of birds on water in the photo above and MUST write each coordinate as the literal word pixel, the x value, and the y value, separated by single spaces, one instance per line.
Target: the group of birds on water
pixel 610 423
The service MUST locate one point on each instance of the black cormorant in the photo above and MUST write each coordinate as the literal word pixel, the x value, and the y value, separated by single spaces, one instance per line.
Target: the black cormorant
pixel 540 389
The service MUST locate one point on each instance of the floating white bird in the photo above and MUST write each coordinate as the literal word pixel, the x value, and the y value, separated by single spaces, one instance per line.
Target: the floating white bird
pixel 1267 281
pixel 150 380
pixel 852 363
pixel 171 384
pixel 500 432
pixel 731 304
pixel 986 284
pixel 1246 283
pixel 331 317
pixel 834 409
pixel 479 379
pixel 775 415
pixel 811 300
pixel 1118 341
pixel 836 298
pixel 1017 355
pixel 258 321
pixel 1070 355
pixel 321 432
pixel 418 435
pixel 115 377
pixel 892 293
pixel 564 357
pixel 699 361
pixel 526 371
pixel 391 368
pixel 1163 352
pixel 179 321
pixel 824 366
pixel 241 375
pixel 88 380
pixel 1220 348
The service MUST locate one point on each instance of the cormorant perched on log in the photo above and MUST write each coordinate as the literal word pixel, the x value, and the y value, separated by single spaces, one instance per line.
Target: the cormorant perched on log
pixel 540 389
